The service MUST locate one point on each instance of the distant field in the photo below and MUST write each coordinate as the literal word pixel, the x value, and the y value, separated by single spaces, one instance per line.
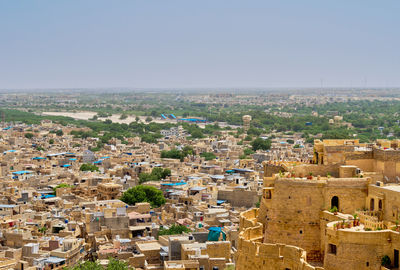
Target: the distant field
pixel 86 115
pixel 115 117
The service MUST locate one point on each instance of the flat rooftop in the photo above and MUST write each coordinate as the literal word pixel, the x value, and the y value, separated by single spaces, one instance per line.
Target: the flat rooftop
pixel 393 188
pixel 148 246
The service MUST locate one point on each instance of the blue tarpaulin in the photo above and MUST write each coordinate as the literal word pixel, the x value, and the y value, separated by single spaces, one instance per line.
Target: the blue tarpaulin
pixel 47 196
pixel 192 120
pixel 22 172
pixel 174 184
pixel 214 234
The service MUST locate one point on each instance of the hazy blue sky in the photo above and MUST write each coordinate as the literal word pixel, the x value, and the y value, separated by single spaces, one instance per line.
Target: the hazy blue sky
pixel 216 43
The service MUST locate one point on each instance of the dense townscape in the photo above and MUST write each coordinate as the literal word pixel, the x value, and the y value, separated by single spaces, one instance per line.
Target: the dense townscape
pixel 173 190
pixel 199 135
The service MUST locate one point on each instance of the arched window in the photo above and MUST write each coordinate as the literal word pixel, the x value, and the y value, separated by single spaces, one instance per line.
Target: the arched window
pixel 372 205
pixel 335 202
pixel 380 205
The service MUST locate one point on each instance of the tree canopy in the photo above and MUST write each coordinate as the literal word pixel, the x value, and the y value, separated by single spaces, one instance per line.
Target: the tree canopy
pixel 156 174
pixel 174 229
pixel 89 167
pixel 178 154
pixel 113 264
pixel 29 135
pixel 143 194
pixel 261 144
pixel 208 155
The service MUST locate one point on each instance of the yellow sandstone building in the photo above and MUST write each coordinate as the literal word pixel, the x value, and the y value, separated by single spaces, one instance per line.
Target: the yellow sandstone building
pixel 341 211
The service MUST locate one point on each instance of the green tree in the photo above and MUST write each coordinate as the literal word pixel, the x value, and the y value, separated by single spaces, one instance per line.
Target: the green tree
pixel 143 194
pixel 59 132
pixel 208 155
pixel 151 137
pixel 88 265
pixel 62 185
pixel 114 264
pixel 248 151
pixel 148 119
pixel 102 114
pixel 260 143
pixel 146 177
pixel 248 138
pixel 160 172
pixel 89 167
pixel 173 153
pixel 156 174
pixel 123 116
pixel 174 229
pixel 28 135
pixel 254 131
pixel 43 229
pixel 197 134
pixel 187 150
pixel 51 141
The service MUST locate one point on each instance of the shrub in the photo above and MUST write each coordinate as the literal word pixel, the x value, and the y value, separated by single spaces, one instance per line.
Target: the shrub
pixel 333 209
pixel 385 261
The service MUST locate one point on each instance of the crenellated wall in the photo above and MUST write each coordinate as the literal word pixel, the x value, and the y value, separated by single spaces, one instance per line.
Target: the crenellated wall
pixel 359 249
pixel 294 229
pixel 255 255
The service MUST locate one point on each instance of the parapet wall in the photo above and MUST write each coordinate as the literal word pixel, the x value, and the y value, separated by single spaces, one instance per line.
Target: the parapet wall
pixel 386 155
pixel 322 170
pixel 255 255
pixel 238 197
pixel 292 214
pixel 359 249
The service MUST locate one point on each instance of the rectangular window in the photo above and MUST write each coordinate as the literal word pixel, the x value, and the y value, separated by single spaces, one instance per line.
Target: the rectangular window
pixel 267 194
pixel 332 249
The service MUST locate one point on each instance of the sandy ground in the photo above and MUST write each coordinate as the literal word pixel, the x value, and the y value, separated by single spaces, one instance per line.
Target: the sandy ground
pixel 86 115
pixel 114 117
